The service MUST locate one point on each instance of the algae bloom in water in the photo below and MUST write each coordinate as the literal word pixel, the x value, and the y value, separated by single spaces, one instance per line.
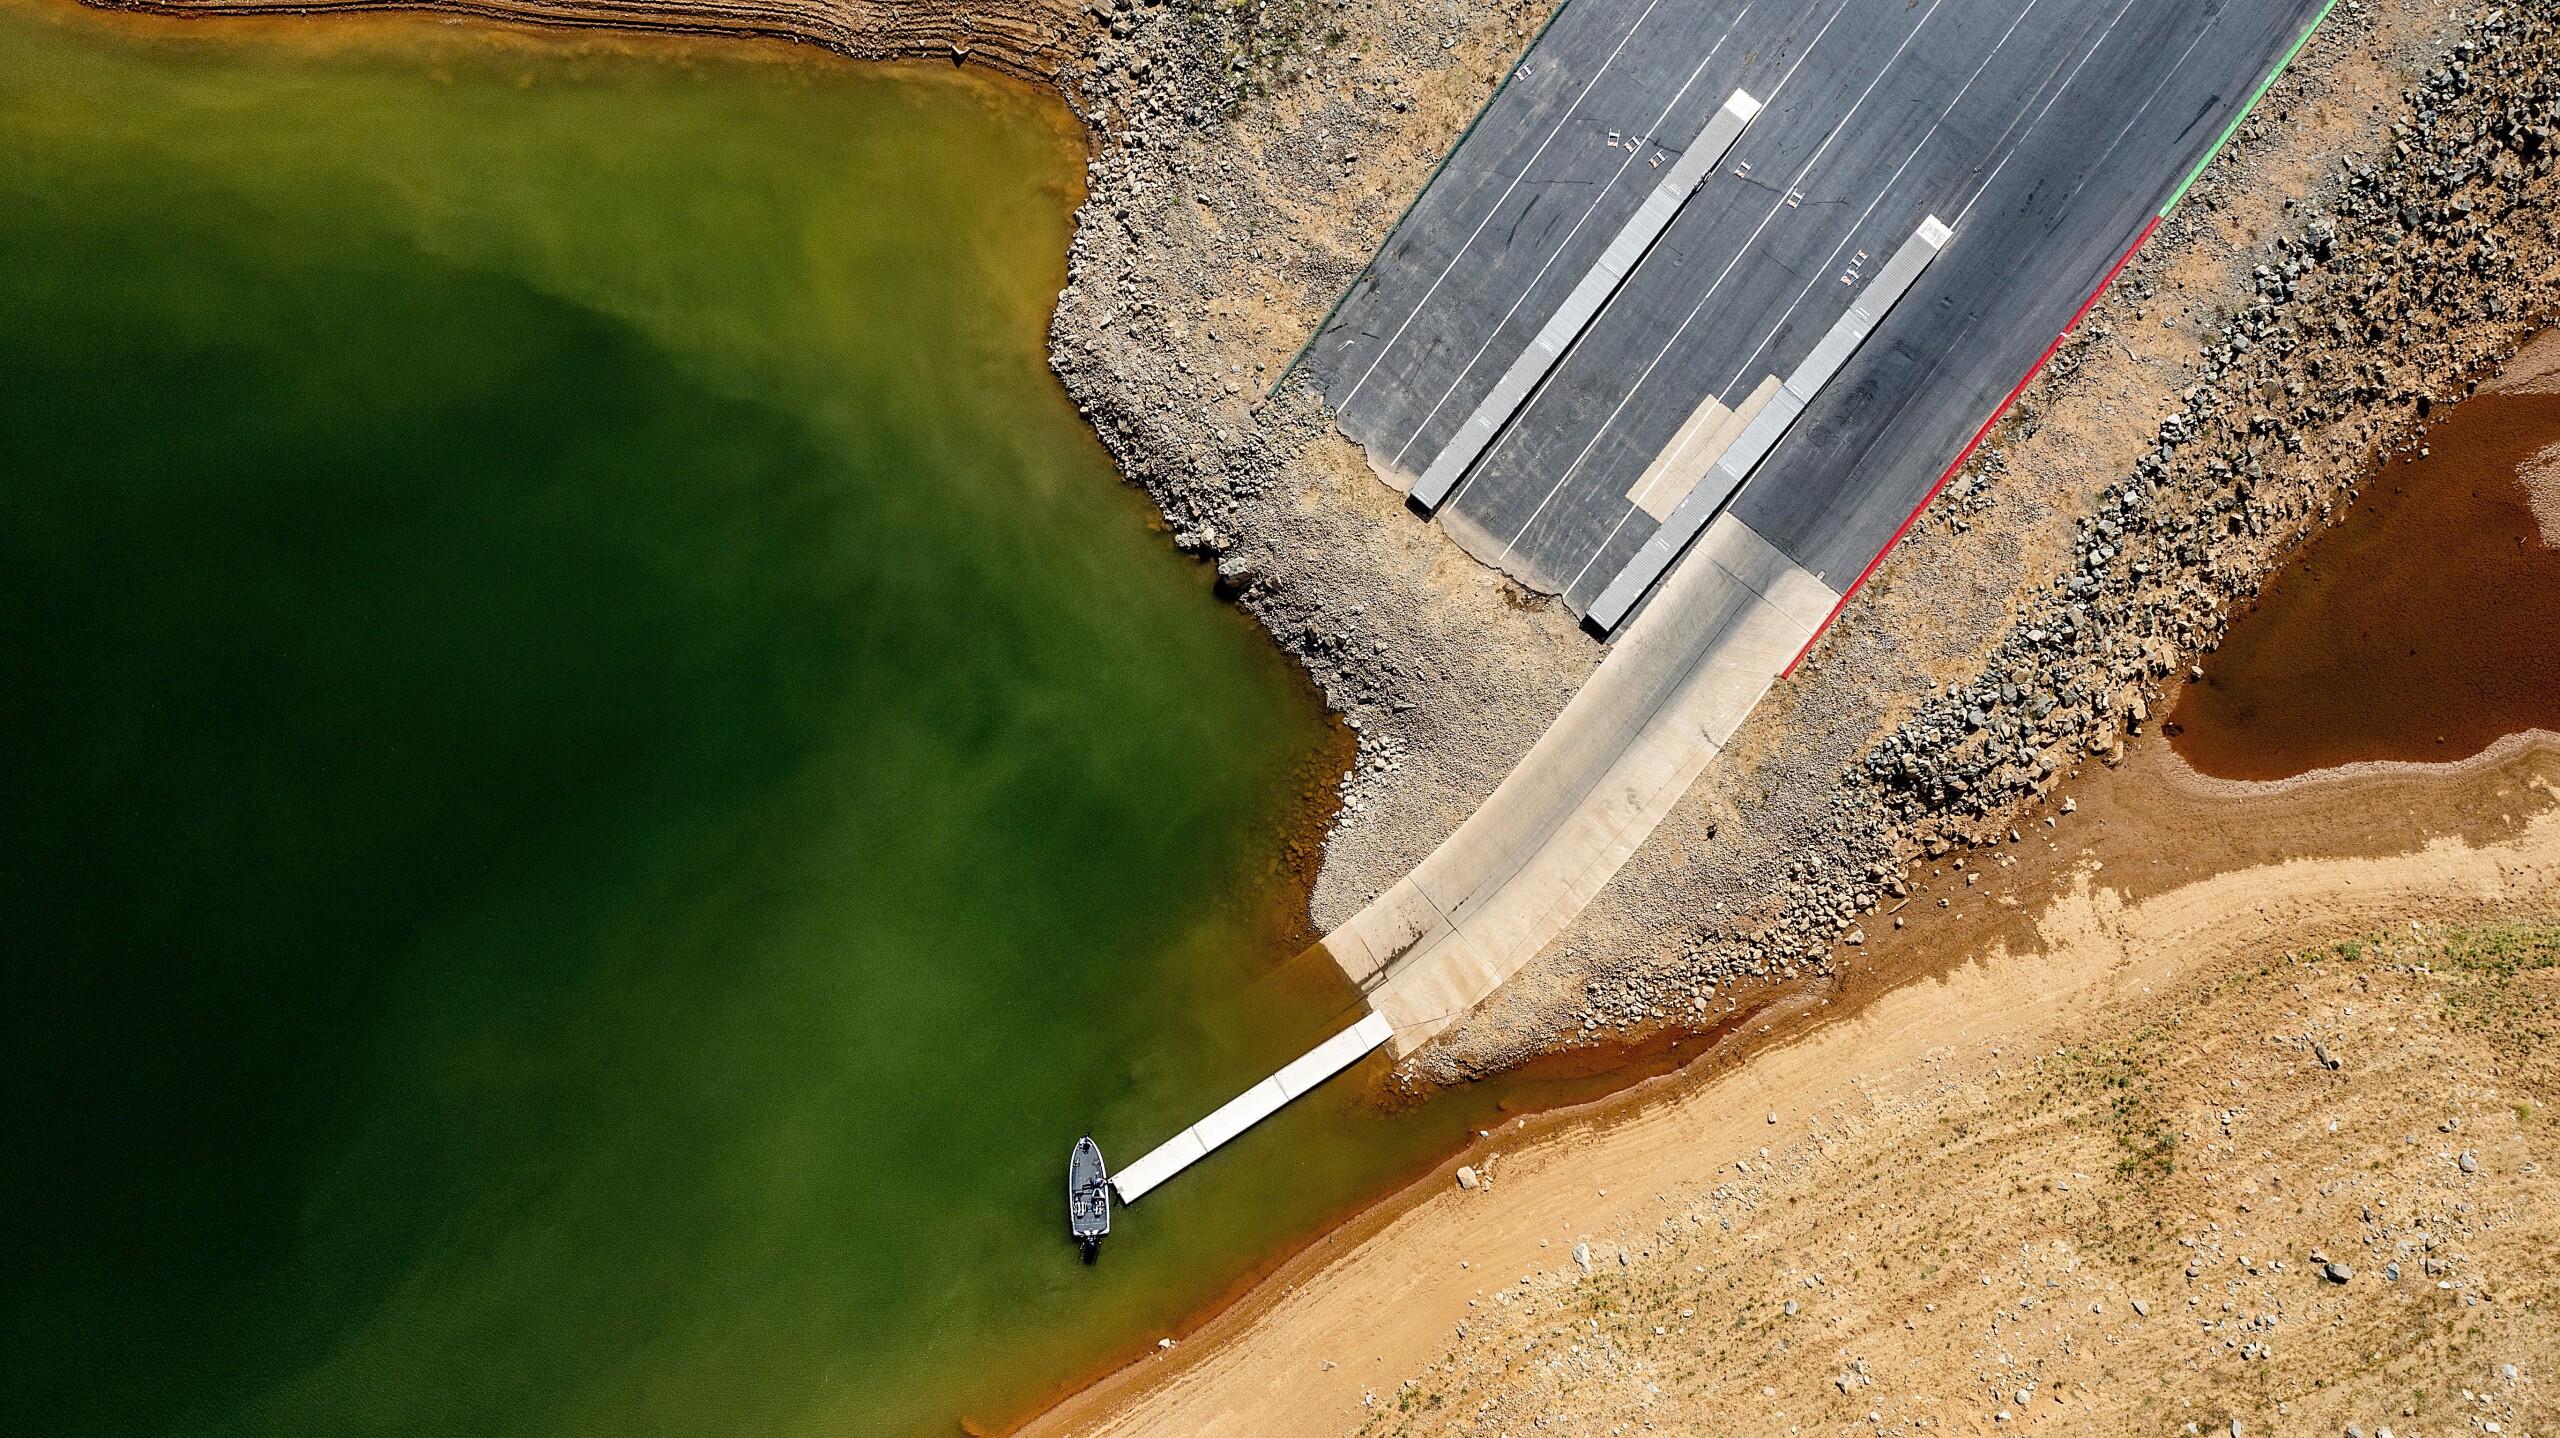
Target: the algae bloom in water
pixel 601 775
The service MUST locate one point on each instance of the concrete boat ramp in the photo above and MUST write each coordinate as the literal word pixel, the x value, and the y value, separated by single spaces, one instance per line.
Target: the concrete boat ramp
pixel 1599 387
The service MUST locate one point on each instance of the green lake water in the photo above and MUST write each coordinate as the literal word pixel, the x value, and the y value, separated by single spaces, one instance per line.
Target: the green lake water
pixel 600 775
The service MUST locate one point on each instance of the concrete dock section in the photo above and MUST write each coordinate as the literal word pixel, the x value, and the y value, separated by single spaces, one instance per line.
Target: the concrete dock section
pixel 1251 1107
pixel 1711 428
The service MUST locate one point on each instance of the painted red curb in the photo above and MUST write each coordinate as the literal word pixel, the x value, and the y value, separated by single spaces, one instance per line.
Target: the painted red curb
pixel 1971 445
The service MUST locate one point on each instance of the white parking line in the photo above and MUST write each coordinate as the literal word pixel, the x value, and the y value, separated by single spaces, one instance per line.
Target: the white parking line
pixel 1598 197
pixel 1816 274
pixel 2058 92
pixel 2161 85
pixel 1790 187
pixel 1445 270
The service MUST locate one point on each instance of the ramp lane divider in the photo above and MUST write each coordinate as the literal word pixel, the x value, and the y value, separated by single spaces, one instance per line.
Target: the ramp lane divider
pixel 1690 518
pixel 1633 241
pixel 1599 198
pixel 1251 1107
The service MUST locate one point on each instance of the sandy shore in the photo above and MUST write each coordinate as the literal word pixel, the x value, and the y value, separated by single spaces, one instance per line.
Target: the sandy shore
pixel 1840 1114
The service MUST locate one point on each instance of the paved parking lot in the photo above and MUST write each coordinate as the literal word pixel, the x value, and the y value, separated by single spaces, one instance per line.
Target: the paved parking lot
pixel 2046 133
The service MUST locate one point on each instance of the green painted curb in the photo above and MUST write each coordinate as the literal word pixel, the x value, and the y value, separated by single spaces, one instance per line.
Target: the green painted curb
pixel 2255 96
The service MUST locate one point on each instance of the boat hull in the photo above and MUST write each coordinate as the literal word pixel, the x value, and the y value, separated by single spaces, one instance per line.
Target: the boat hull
pixel 1088 1196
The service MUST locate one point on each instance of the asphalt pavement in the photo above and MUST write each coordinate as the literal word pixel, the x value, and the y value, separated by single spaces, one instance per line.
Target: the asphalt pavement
pixel 2045 133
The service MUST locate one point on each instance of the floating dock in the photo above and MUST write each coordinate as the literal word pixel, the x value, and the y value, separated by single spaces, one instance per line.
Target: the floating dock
pixel 1251 1107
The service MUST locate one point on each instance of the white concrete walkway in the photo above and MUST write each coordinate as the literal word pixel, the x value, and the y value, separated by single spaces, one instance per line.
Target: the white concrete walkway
pixel 1669 696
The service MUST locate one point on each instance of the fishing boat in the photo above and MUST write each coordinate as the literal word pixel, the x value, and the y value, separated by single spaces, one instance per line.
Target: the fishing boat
pixel 1088 1197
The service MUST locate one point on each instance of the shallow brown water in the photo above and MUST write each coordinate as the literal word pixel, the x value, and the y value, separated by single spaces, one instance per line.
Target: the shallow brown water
pixel 2422 628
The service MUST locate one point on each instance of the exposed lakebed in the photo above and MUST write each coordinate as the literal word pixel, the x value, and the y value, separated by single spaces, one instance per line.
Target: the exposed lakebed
pixel 602 775
pixel 2421 627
